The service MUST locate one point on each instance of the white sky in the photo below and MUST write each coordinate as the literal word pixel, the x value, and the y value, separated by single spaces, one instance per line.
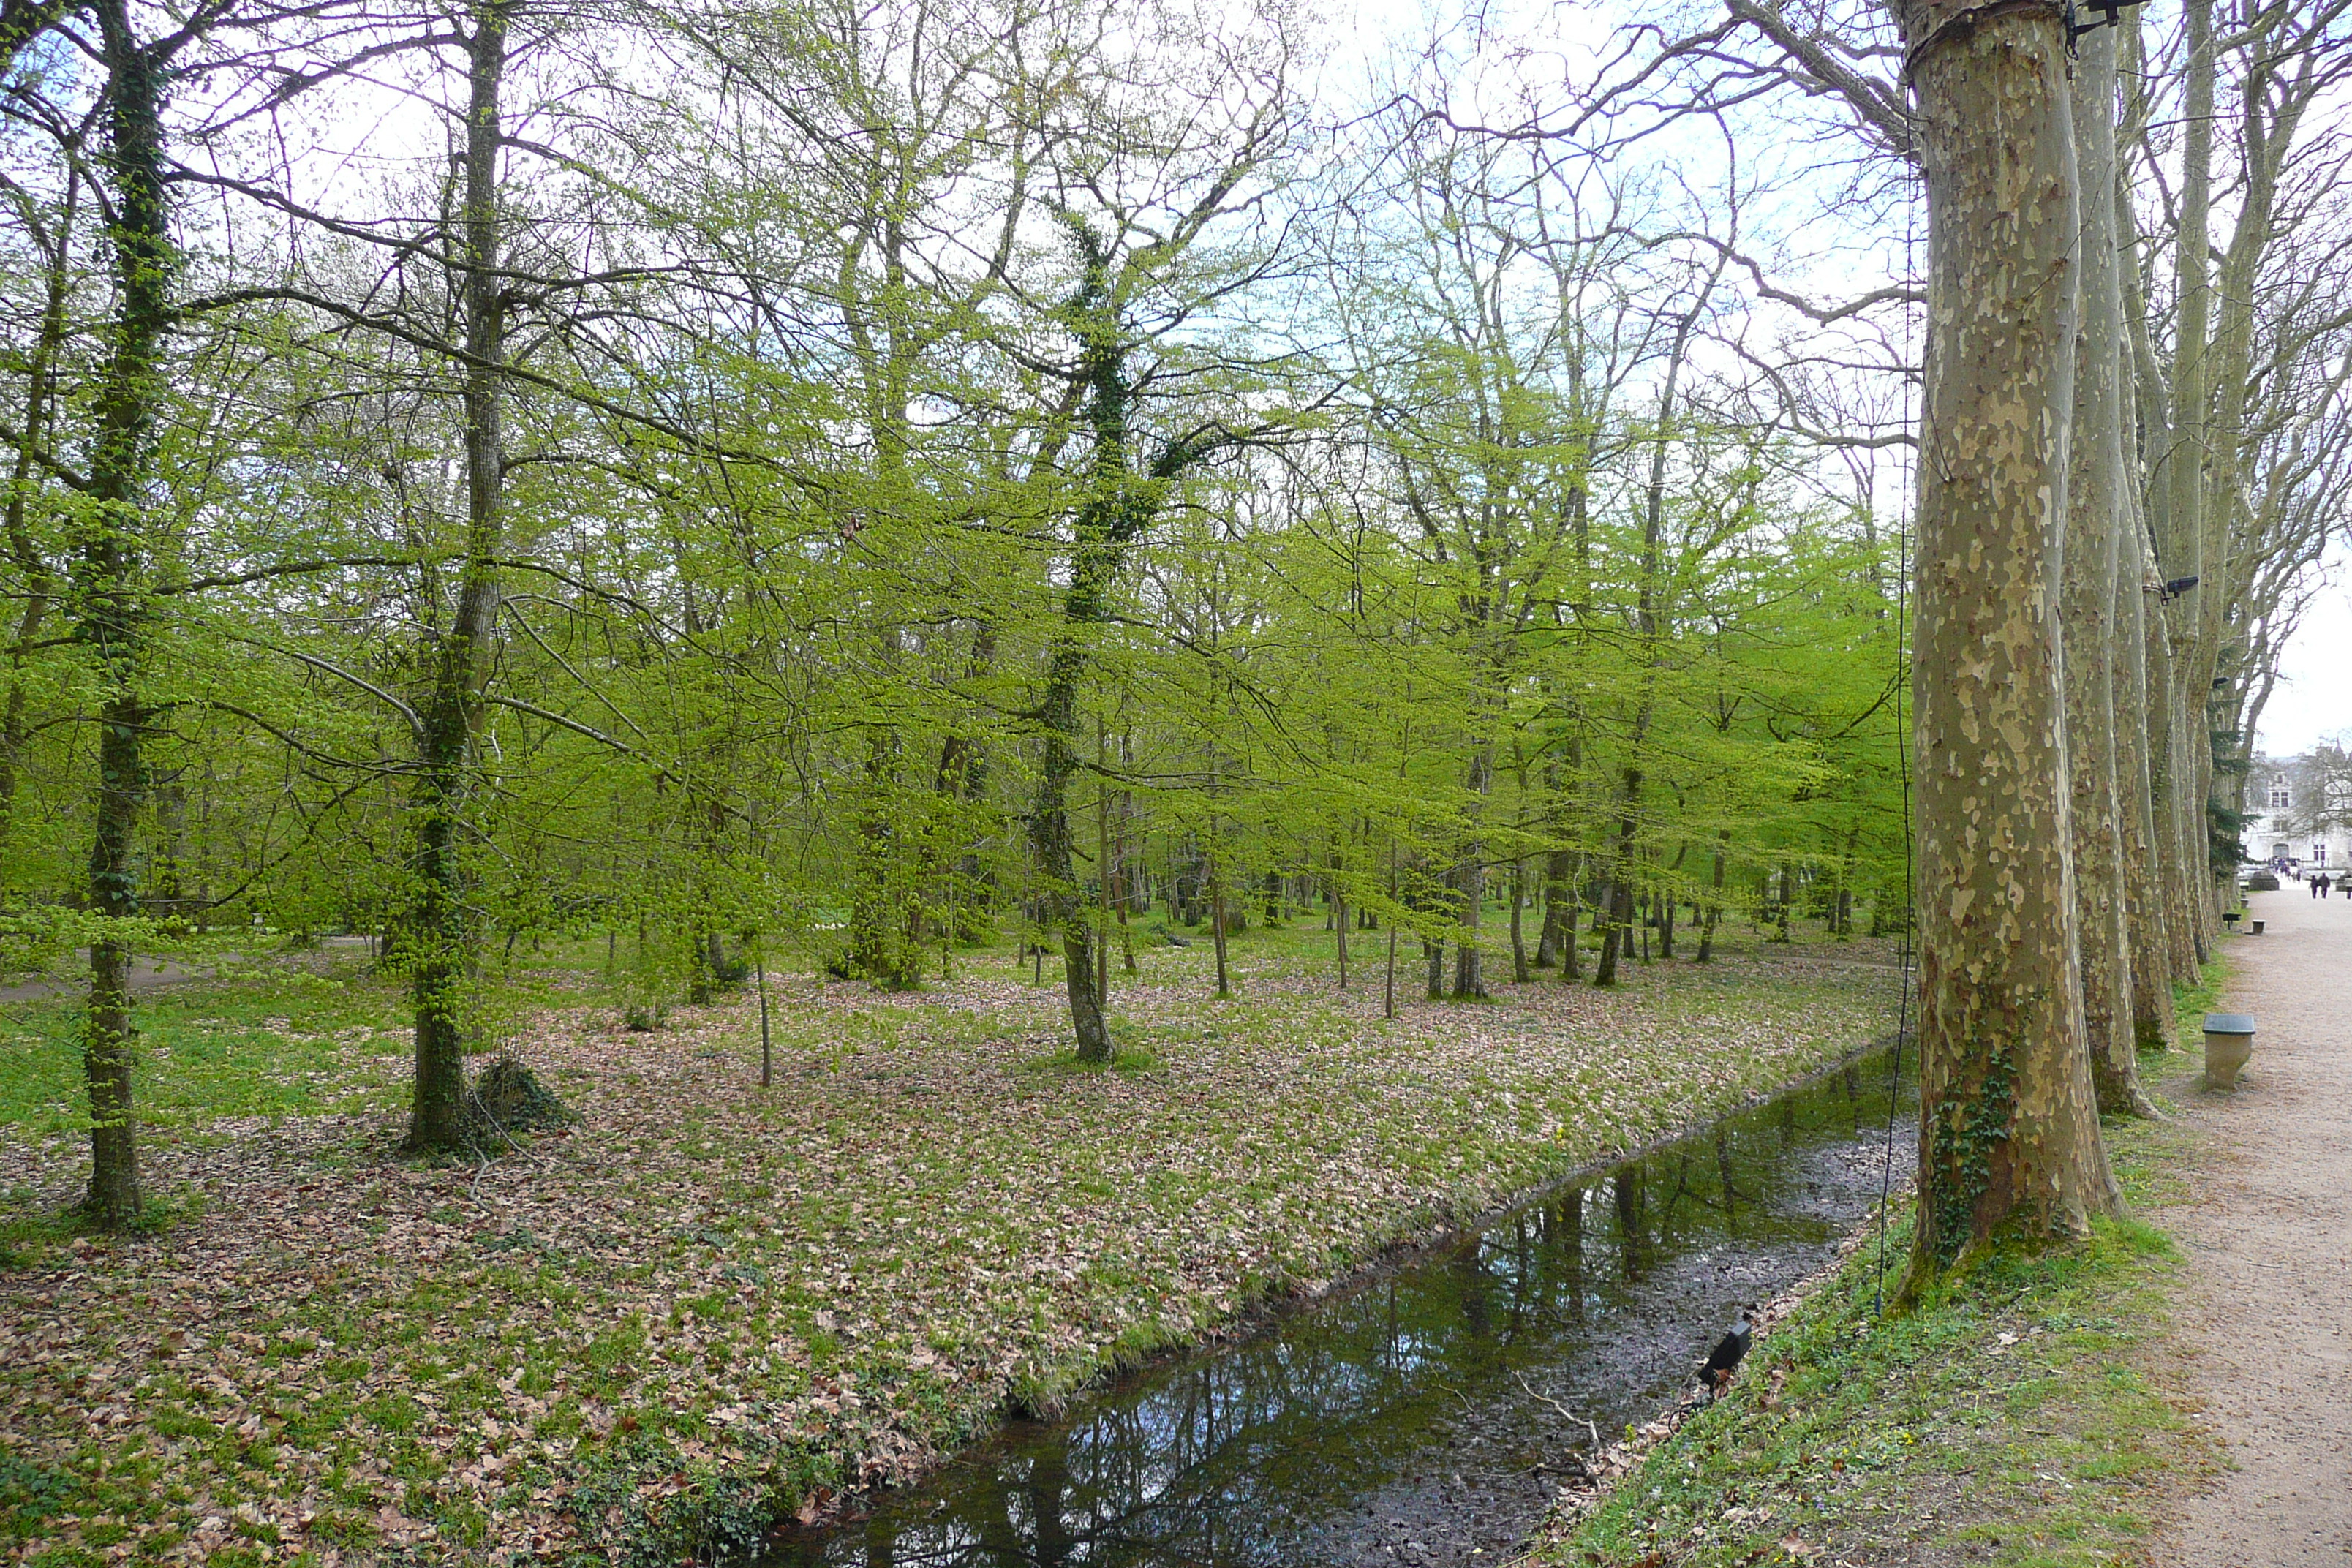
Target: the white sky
pixel 2313 699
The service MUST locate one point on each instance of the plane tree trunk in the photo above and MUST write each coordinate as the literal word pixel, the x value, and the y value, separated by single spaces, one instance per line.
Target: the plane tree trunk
pixel 2008 1133
pixel 2099 515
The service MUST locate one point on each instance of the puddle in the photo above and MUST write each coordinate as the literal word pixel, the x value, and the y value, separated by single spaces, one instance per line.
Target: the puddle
pixel 1423 1415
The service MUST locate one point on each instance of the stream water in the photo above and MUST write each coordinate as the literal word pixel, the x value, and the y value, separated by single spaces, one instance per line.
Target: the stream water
pixel 1427 1411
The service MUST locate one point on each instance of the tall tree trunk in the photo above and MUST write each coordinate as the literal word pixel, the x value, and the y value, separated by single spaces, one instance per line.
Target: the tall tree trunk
pixel 2170 877
pixel 1217 925
pixel 441 928
pixel 2167 789
pixel 1520 973
pixel 2154 1025
pixel 1605 920
pixel 1558 919
pixel 767 1040
pixel 1571 952
pixel 2194 549
pixel 1106 870
pixel 1842 900
pixel 1470 884
pixel 1135 878
pixel 2009 1134
pixel 1119 503
pixel 961 780
pixel 1049 824
pixel 1470 891
pixel 2142 693
pixel 1648 623
pixel 1102 527
pixel 1714 903
pixel 2098 511
pixel 113 546
pixel 1388 988
pixel 1340 909
pixel 2179 812
pixel 884 947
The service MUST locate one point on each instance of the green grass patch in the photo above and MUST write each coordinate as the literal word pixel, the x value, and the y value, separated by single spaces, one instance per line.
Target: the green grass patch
pixel 1062 1064
pixel 270 1040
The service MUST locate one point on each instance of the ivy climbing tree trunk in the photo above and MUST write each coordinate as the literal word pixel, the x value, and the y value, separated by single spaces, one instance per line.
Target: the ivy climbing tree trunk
pixel 1117 506
pixel 1102 525
pixel 109 593
pixel 2009 1131
pixel 441 928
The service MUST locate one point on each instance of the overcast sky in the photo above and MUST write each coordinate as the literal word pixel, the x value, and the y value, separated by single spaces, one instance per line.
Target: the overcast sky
pixel 2313 699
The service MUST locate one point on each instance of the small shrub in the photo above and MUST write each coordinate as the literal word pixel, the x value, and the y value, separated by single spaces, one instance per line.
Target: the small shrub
pixel 512 1099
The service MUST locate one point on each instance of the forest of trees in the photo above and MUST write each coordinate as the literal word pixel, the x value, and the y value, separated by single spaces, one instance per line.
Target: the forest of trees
pixel 796 483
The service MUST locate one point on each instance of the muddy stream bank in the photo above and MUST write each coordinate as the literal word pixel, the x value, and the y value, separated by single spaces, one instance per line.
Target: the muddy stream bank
pixel 1428 1411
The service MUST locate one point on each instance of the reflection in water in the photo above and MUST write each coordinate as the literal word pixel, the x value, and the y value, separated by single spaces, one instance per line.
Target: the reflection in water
pixel 1426 1412
pixel 1627 1184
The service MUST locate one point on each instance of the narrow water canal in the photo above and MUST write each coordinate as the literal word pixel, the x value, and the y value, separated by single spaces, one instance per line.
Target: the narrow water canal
pixel 1423 1415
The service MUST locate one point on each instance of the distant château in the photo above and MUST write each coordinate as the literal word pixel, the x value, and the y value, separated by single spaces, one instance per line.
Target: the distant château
pixel 2300 808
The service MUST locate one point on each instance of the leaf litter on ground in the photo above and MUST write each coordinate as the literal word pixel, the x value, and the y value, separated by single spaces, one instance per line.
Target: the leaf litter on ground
pixel 793 1293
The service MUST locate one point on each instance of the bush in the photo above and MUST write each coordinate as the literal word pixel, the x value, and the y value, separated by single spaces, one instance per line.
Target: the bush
pixel 512 1099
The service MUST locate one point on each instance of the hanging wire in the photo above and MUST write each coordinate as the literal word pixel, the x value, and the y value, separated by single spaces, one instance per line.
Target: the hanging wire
pixel 1910 465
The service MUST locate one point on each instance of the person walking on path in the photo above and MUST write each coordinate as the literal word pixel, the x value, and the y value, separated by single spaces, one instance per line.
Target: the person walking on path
pixel 2267 1229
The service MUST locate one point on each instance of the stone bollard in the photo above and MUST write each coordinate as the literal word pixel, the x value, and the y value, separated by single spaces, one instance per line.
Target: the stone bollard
pixel 2229 1041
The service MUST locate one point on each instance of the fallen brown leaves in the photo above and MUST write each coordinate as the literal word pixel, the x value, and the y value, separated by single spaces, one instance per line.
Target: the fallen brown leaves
pixel 824 1284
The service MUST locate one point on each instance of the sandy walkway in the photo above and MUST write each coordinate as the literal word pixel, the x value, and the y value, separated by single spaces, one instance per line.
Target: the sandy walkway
pixel 2268 1316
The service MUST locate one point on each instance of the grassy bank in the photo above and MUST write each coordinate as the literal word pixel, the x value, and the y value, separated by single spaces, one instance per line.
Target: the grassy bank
pixel 2018 1417
pixel 711 1301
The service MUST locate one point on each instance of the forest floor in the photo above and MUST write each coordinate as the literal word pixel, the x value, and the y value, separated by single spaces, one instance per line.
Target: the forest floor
pixel 638 1336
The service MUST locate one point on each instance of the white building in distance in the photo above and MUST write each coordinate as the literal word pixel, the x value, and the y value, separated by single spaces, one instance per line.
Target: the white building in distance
pixel 2300 809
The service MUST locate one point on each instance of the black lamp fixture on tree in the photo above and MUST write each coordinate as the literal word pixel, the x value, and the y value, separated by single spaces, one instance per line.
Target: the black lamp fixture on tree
pixel 2104 13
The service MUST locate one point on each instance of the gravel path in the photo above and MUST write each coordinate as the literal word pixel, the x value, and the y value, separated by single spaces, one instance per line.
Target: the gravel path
pixel 146 974
pixel 2267 1319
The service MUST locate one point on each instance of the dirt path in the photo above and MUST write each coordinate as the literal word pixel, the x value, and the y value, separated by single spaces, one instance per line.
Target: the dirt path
pixel 146 973
pixel 2267 1321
